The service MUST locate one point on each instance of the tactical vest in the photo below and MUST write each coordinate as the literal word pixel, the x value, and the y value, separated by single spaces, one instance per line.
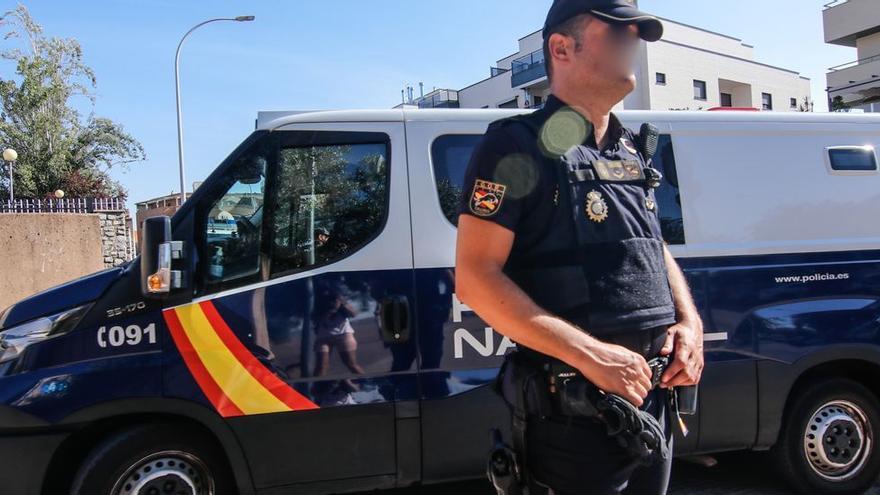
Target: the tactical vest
pixel 599 263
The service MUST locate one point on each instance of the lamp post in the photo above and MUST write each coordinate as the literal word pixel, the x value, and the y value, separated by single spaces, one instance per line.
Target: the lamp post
pixel 242 18
pixel 9 156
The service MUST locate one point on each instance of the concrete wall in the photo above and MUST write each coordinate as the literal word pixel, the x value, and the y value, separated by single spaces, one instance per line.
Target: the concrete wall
pixel 708 40
pixel 869 46
pixel 491 92
pixel 44 250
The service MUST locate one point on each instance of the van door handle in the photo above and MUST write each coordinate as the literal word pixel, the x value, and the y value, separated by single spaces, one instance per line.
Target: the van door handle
pixel 395 317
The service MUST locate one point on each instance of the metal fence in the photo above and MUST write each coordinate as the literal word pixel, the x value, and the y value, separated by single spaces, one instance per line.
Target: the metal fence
pixel 72 205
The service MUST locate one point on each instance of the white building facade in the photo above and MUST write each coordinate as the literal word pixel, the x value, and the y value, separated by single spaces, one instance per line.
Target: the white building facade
pixel 689 69
pixel 856 24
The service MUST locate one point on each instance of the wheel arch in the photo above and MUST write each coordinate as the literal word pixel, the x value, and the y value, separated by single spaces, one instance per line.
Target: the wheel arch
pixel 92 425
pixel 779 383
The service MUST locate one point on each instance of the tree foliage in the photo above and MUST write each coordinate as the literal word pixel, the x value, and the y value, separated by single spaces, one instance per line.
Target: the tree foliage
pixel 57 148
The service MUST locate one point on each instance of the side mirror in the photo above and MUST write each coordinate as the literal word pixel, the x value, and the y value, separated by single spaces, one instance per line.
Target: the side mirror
pixel 157 253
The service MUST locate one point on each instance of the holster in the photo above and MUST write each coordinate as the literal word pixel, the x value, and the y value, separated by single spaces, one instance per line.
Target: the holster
pixel 522 384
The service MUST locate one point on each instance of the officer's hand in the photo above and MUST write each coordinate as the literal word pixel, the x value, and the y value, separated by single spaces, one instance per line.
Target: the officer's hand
pixel 684 341
pixel 618 370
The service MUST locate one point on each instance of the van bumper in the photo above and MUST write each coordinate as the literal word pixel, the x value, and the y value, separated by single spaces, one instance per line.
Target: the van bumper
pixel 25 452
pixel 25 461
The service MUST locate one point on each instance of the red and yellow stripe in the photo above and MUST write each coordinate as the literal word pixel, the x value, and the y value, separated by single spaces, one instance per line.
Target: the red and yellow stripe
pixel 235 382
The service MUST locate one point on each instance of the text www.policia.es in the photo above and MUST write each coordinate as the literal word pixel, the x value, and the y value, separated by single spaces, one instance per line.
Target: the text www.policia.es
pixel 815 277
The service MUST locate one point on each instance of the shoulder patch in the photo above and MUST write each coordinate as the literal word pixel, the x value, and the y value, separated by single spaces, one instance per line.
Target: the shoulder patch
pixel 486 198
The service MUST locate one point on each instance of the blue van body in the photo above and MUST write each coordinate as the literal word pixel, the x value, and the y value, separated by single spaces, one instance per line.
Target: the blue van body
pixel 242 362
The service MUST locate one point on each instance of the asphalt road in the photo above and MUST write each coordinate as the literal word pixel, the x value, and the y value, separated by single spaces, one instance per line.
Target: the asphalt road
pixel 735 474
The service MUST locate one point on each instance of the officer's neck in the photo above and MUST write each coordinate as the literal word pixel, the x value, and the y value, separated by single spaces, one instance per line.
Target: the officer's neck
pixel 594 109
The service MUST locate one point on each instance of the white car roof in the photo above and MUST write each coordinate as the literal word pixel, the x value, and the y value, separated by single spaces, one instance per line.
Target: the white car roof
pixel 272 120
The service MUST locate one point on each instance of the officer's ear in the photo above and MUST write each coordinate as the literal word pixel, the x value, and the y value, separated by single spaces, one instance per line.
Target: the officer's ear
pixel 561 47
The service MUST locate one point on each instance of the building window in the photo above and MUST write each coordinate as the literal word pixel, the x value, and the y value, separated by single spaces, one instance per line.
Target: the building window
pixel 699 90
pixel 661 79
pixel 794 103
pixel 767 98
pixel 726 100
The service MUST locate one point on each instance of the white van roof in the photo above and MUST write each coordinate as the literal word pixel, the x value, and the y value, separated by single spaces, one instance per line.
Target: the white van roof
pixel 275 119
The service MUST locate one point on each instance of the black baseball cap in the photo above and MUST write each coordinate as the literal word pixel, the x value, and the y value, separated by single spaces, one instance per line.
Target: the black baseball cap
pixel 610 11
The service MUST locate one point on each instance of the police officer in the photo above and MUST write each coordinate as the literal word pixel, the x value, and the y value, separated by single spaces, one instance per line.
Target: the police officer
pixel 560 249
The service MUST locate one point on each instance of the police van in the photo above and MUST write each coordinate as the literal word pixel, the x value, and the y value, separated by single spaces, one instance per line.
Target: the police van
pixel 294 328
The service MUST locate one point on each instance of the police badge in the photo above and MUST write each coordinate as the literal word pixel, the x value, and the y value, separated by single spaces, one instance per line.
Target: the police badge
pixel 597 208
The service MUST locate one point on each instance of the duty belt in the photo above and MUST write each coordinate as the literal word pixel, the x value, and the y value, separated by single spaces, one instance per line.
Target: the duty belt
pixel 637 431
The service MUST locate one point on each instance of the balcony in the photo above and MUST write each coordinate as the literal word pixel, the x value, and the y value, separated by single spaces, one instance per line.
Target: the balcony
pixel 527 69
pixel 443 98
pixel 854 72
pixel 847 21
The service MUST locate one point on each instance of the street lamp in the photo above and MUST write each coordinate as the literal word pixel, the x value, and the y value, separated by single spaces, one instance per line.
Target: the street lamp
pixel 9 156
pixel 241 18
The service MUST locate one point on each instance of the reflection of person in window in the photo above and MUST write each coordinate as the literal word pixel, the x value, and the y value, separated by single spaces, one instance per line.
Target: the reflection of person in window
pixel 333 329
pixel 322 235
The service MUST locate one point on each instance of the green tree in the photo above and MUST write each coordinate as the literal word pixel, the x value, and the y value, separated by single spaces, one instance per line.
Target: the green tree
pixel 57 147
pixel 838 105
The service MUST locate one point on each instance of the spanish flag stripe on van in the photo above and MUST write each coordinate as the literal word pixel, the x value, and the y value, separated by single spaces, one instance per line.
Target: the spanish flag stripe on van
pixel 212 391
pixel 281 390
pixel 217 358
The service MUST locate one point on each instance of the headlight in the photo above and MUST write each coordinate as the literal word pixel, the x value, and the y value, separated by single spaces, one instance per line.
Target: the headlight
pixel 15 340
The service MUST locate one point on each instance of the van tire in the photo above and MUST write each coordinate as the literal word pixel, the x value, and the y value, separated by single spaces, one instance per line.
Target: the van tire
pixel 847 461
pixel 157 455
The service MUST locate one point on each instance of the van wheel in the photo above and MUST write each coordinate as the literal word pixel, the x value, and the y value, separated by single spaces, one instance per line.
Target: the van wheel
pixel 828 442
pixel 155 459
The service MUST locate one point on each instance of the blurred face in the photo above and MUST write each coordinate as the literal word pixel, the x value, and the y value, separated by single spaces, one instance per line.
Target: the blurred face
pixel 605 60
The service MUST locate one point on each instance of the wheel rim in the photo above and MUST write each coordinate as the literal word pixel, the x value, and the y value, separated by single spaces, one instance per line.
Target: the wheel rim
pixel 838 440
pixel 166 473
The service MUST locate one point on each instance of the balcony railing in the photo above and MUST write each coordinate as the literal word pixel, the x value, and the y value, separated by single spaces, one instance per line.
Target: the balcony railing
pixel 441 99
pixel 527 68
pixel 72 205
pixel 855 63
pixel 835 3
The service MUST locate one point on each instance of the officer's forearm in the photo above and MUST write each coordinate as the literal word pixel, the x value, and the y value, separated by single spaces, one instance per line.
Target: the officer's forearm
pixel 512 313
pixel 685 309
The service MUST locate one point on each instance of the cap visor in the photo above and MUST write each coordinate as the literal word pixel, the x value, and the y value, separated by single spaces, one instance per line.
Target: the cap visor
pixel 650 28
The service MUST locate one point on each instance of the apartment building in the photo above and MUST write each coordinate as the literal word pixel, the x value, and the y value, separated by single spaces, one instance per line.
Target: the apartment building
pixel 856 24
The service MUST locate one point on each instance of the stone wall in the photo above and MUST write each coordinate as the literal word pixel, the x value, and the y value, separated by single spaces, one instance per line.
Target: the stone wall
pixel 117 244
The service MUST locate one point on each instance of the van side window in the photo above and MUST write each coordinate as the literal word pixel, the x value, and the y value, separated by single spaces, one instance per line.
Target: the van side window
pixel 668 195
pixel 331 200
pixel 853 158
pixel 234 224
pixel 450 155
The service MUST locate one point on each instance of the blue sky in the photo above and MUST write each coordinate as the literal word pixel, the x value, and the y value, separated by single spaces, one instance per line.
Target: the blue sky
pixel 306 54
